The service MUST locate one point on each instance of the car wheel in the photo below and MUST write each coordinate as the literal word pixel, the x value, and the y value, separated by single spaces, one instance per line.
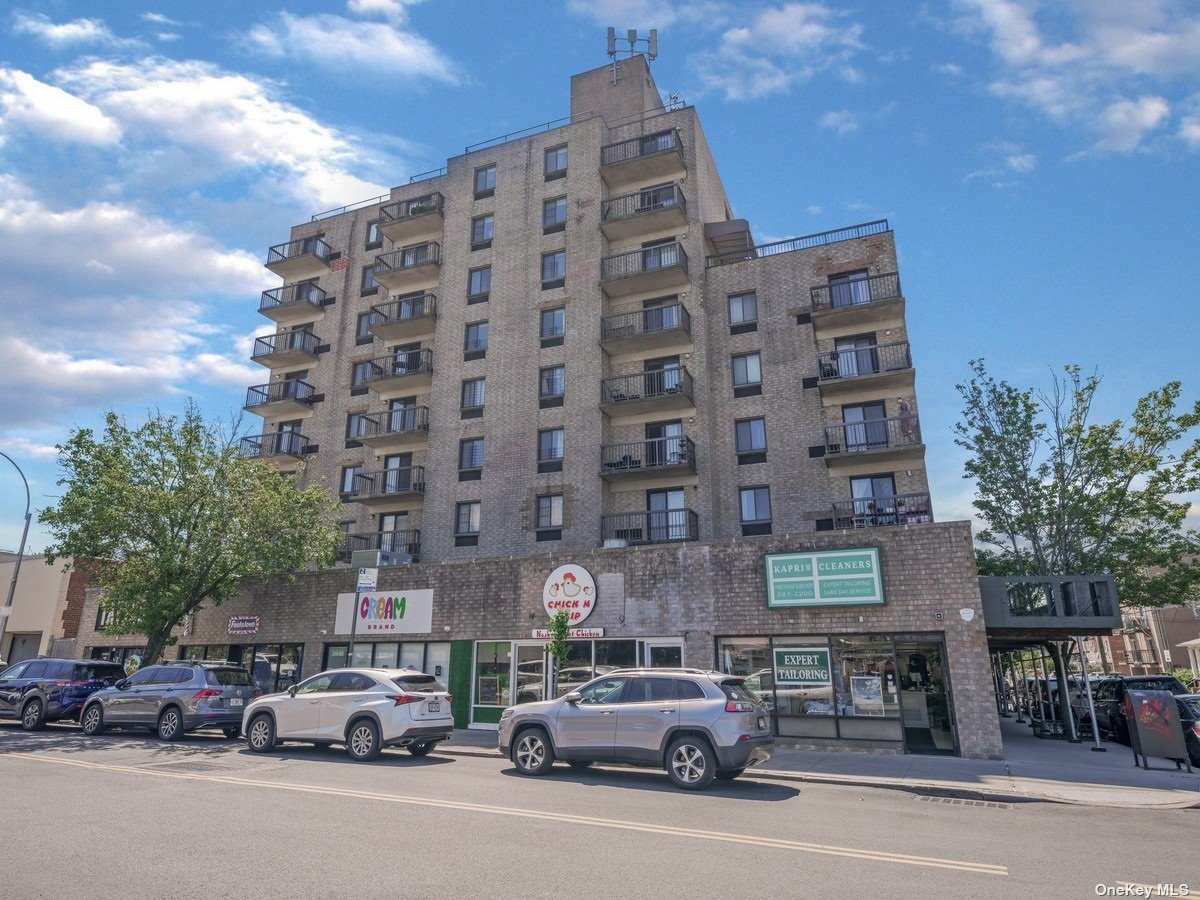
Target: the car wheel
pixel 260 736
pixel 580 763
pixel 33 716
pixel 231 733
pixel 729 774
pixel 363 741
pixel 92 720
pixel 691 763
pixel 170 724
pixel 422 748
pixel 532 753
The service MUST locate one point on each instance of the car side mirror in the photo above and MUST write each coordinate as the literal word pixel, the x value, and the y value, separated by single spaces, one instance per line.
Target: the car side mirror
pixel 121 683
pixel 573 697
pixel 292 690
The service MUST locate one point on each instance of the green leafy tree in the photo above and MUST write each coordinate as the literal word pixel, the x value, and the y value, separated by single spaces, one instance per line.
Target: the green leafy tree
pixel 174 516
pixel 1062 495
pixel 556 647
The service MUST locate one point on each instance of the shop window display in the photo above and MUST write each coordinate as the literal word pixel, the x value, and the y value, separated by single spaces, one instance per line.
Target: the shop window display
pixel 492 662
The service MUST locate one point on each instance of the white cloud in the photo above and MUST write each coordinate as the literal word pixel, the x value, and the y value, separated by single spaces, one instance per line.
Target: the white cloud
pixel 813 210
pixel 77 31
pixel 1124 123
pixel 159 19
pixel 948 69
pixel 214 368
pixel 1021 162
pixel 842 121
pixel 23 446
pixel 51 111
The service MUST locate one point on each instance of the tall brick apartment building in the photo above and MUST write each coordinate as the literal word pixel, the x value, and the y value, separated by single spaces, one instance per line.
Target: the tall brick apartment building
pixel 564 350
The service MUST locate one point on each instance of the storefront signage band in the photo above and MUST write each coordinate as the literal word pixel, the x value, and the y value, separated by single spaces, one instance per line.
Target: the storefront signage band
pixel 570 588
pixel 802 666
pixel 543 634
pixel 385 612
pixel 244 624
pixel 827 578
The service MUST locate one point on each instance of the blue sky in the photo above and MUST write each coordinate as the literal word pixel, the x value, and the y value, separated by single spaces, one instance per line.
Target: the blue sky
pixel 1038 162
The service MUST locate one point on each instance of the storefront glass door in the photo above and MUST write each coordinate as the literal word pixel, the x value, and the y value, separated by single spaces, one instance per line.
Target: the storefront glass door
pixel 662 655
pixel 925 705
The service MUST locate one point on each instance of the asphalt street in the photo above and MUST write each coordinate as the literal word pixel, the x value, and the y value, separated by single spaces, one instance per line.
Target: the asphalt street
pixel 124 815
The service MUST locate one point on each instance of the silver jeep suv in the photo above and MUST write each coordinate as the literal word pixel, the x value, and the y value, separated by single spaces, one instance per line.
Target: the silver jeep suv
pixel 697 725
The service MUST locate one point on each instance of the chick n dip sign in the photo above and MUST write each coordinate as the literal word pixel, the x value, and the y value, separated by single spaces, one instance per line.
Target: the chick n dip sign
pixel 572 588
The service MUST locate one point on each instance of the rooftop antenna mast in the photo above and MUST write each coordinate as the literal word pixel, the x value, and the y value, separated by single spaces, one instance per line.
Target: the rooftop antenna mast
pixel 631 36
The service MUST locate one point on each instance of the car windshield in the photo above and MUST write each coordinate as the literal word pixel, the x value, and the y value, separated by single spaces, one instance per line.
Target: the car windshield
pixel 230 677
pixel 419 684
pixel 98 672
pixel 737 690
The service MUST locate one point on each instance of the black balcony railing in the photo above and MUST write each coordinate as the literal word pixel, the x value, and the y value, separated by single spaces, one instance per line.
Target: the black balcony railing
pixel 647 259
pixel 405 310
pixel 279 443
pixel 406 209
pixel 660 383
pixel 655 527
pixel 405 542
pixel 641 202
pixel 873 434
pixel 302 247
pixel 851 363
pixel 276 391
pixel 395 421
pixel 805 242
pixel 645 321
pixel 386 482
pixel 653 453
pixel 855 291
pixel 648 145
pixel 396 365
pixel 284 341
pixel 292 295
pixel 873 512
pixel 409 257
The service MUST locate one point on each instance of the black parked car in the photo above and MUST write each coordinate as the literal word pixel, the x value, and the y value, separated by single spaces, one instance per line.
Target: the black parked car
pixel 1109 700
pixel 38 691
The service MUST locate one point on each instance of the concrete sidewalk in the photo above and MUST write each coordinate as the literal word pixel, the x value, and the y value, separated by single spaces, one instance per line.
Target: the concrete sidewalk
pixel 1053 771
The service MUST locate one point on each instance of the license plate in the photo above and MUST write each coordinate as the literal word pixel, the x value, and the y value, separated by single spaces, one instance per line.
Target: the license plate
pixel 762 723
pixel 235 701
pixel 435 706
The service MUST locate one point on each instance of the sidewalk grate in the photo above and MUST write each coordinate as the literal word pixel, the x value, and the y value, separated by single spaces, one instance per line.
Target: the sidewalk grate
pixel 962 801
pixel 195 768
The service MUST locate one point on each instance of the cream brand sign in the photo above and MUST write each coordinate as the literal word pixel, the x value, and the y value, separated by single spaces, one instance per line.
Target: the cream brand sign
pixel 572 588
pixel 385 612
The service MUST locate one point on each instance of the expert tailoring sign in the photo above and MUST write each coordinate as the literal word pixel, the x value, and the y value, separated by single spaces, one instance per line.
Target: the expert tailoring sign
pixel 802 666
pixel 826 578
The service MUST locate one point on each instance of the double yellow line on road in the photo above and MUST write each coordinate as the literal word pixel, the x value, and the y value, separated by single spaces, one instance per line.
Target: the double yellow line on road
pixel 617 824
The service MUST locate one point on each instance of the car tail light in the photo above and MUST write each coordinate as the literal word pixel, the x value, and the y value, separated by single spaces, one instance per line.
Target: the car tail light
pixel 449 698
pixel 401 699
pixel 1196 728
pixel 739 706
pixel 205 692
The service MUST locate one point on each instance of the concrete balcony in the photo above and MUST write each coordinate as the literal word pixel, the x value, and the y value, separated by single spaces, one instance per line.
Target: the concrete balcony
pixel 396 547
pixel 655 328
pixel 648 459
pixel 879 440
pixel 288 398
pixel 386 486
pixel 410 268
pixel 293 304
pixel 407 371
pixel 281 448
pixel 1020 609
pixel 661 268
pixel 877 512
pixel 395 429
pixel 406 319
pixel 661 390
pixel 652 157
pixel 884 368
pixel 411 220
pixel 643 212
pixel 285 349
pixel 857 303
pixel 666 526
pixel 298 260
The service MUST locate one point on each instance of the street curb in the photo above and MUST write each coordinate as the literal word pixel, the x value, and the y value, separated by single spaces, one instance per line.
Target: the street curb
pixel 925 789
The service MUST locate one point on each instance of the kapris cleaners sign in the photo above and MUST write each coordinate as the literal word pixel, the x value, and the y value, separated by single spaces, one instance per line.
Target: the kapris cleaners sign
pixel 572 588
pixel 828 578
pixel 385 612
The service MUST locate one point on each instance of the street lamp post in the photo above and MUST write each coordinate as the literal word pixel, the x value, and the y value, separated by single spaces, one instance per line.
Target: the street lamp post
pixel 12 587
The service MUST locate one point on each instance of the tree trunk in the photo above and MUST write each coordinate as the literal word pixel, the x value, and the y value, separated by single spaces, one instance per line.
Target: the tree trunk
pixel 156 643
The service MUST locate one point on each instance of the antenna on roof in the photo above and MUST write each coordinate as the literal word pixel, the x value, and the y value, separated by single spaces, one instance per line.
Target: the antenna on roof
pixel 631 37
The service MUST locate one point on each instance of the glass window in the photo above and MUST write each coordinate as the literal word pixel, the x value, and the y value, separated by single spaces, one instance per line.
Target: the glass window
pixel 374 237
pixel 475 337
pixel 554 266
pixel 362 328
pixel 354 426
pixel 549 511
pixel 743 308
pixel 485 181
pixel 368 284
pixel 849 289
pixel 412 656
pixel 751 435
pixel 554 322
pixel 361 657
pixel 361 373
pixel 556 160
pixel 470 453
pixel 606 690
pixel 552 381
pixel 466 517
pixel 479 281
pixel 747 369
pixel 481 230
pixel 755 504
pixel 349 478
pixel 315 684
pixel 554 211
pixel 492 662
pixel 550 444
pixel 864 676
pixel 473 393
pixel 689 690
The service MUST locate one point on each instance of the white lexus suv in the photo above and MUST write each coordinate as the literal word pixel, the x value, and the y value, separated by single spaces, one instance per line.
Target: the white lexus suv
pixel 365 709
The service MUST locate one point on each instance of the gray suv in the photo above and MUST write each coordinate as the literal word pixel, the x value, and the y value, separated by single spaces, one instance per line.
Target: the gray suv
pixel 697 725
pixel 174 698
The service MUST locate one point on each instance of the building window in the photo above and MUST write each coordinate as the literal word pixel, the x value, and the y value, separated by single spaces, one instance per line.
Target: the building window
pixel 755 505
pixel 743 312
pixel 362 327
pixel 349 478
pixel 554 269
pixel 479 284
pixel 549 517
pixel 747 374
pixel 466 524
pixel 355 423
pixel 556 162
pixel 751 440
pixel 553 326
pixel 552 385
pixel 550 450
pixel 470 459
pixel 374 236
pixel 485 181
pixel 849 289
pixel 493 661
pixel 360 373
pixel 481 232
pixel 554 215
pixel 475 340
pixel 874 502
pixel 472 398
pixel 368 284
